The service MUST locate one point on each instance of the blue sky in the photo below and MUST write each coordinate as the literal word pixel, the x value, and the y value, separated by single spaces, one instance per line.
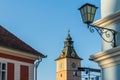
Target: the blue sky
pixel 44 24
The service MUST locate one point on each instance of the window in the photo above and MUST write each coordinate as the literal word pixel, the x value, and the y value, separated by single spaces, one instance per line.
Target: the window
pixel 2 71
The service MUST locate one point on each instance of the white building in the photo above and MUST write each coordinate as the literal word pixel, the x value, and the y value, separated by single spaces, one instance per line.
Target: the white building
pixel 109 58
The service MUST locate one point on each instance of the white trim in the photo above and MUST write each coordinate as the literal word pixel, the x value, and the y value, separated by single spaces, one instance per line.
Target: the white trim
pixel 107 58
pixel 17 71
pixel 109 20
pixel 17 53
pixel 31 72
pixel 4 70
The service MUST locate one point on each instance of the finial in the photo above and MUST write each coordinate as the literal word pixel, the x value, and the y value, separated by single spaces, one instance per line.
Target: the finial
pixel 69 37
pixel 68 31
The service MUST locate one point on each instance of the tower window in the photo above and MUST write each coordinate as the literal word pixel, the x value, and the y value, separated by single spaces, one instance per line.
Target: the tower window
pixel 60 75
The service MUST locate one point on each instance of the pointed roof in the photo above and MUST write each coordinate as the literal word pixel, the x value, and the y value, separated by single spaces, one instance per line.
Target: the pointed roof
pixel 8 40
pixel 68 51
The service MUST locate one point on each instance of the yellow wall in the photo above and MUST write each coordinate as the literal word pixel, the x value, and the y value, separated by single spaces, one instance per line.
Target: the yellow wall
pixel 64 69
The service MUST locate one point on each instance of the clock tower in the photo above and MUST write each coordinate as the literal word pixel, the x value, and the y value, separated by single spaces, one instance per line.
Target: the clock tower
pixel 67 62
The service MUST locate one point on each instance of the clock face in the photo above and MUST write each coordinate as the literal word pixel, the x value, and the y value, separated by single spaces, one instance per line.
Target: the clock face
pixel 73 65
pixel 63 54
pixel 73 54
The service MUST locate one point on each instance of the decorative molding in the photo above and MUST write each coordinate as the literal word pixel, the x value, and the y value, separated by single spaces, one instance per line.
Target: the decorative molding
pixel 109 20
pixel 17 53
pixel 107 58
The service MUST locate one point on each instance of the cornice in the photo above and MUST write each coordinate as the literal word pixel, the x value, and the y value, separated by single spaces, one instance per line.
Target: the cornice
pixel 109 20
pixel 17 53
pixel 107 58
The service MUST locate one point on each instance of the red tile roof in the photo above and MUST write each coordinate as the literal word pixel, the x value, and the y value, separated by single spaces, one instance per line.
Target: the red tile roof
pixel 9 40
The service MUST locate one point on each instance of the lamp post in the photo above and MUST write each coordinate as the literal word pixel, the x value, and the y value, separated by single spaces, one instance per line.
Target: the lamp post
pixel 88 13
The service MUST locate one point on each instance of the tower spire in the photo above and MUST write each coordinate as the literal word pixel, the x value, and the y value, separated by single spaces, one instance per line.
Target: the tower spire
pixel 68 51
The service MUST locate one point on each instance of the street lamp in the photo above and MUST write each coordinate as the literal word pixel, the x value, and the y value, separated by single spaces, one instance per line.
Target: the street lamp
pixel 88 13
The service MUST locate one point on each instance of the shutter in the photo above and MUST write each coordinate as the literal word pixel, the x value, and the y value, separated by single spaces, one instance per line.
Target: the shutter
pixel 23 72
pixel 10 71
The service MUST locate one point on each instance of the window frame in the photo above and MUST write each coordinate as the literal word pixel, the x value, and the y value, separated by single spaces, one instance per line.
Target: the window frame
pixel 3 70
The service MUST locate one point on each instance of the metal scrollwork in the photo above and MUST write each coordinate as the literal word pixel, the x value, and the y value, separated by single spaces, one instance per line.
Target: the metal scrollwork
pixel 92 29
pixel 108 35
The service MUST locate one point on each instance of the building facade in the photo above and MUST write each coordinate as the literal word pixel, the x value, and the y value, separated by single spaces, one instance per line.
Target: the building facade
pixel 16 57
pixel 67 62
pixel 109 57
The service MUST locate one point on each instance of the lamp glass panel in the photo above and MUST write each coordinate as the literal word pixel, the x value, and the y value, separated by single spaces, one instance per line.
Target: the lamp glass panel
pixel 89 14
pixel 85 14
pixel 89 17
pixel 89 9
pixel 92 17
pixel 85 11
pixel 92 13
pixel 82 14
pixel 93 10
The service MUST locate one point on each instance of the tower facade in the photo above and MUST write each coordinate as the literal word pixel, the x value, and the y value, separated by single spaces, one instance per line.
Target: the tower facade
pixel 67 62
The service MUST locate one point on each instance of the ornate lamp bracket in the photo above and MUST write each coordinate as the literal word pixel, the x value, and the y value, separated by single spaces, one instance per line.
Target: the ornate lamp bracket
pixel 108 35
